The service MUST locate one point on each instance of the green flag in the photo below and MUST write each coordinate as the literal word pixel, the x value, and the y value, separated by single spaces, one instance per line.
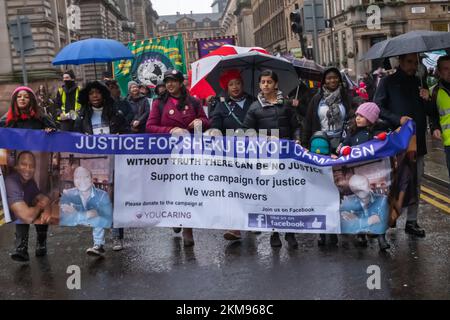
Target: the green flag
pixel 152 57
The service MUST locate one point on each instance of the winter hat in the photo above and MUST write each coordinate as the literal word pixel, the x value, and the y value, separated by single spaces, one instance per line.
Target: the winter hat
pixel 320 143
pixel 14 114
pixel 227 76
pixel 370 111
pixel 132 83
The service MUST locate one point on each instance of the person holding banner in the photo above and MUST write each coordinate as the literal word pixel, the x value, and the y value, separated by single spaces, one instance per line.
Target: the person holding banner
pixel 401 97
pixel 329 109
pixel 363 128
pixel 230 113
pixel 98 115
pixel 24 113
pixel 178 113
pixel 231 109
pixel 272 112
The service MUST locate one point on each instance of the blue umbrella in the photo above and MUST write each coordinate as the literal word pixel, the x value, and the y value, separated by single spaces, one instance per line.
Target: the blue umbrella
pixel 91 51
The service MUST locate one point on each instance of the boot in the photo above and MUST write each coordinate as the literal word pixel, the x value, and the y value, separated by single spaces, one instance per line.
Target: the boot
pixel 292 242
pixel 322 240
pixel 188 237
pixel 413 228
pixel 275 241
pixel 21 252
pixel 41 245
pixel 361 240
pixel 384 245
pixel 333 239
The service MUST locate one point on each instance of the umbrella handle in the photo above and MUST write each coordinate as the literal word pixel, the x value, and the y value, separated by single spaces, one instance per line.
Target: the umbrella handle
pixel 296 94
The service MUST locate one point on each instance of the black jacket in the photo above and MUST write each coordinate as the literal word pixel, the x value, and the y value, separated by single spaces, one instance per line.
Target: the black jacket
pixel 40 123
pixel 70 99
pixel 397 95
pixel 124 106
pixel 312 121
pixel 278 116
pixel 110 115
pixel 222 118
pixel 141 110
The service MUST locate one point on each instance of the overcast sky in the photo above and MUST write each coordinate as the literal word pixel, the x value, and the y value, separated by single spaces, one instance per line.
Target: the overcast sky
pixel 168 7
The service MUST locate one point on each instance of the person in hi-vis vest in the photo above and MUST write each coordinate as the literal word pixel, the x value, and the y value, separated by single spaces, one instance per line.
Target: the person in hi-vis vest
pixel 67 105
pixel 441 102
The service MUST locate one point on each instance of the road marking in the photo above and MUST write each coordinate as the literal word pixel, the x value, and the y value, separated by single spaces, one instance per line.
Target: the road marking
pixel 436 194
pixel 435 203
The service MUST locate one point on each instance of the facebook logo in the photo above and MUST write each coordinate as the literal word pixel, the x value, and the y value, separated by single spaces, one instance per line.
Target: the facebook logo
pixel 256 220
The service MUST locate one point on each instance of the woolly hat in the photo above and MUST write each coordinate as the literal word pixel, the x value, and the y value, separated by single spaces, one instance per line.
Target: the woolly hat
pixel 320 143
pixel 132 83
pixel 370 111
pixel 227 76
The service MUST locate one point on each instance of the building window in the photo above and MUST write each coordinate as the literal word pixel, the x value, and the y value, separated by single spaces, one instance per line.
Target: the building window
pixel 440 26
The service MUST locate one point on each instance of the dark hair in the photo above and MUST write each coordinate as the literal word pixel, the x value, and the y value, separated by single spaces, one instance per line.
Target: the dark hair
pixel 441 60
pixel 33 106
pixel 268 73
pixel 108 101
pixel 70 73
pixel 25 153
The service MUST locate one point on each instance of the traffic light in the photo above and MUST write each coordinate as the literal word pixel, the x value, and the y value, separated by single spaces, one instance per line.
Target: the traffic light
pixel 296 22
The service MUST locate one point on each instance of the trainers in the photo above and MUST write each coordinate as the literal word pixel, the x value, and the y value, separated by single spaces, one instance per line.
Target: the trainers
pixel 232 235
pixel 413 228
pixel 275 241
pixel 117 245
pixel 96 251
pixel 292 242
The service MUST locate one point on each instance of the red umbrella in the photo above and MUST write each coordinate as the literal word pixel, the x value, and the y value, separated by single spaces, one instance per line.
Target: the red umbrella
pixel 201 68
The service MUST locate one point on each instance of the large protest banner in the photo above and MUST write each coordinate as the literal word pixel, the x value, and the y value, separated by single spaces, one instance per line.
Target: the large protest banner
pixel 152 57
pixel 203 182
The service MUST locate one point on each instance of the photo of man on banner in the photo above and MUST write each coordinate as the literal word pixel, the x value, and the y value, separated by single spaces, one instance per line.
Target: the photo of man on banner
pixel 85 204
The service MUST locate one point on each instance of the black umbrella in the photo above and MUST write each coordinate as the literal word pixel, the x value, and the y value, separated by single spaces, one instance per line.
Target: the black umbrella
pixel 307 69
pixel 411 42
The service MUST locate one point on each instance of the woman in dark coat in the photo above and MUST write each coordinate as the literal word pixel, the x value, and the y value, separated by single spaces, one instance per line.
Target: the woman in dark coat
pixel 329 109
pixel 272 112
pixel 99 115
pixel 24 113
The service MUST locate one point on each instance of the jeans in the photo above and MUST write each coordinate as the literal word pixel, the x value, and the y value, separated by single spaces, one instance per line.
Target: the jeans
pixel 412 210
pixel 99 236
pixel 447 153
pixel 117 233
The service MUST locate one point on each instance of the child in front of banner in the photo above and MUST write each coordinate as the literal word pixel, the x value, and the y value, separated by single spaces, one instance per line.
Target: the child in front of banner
pixel 320 144
pixel 363 128
pixel 99 116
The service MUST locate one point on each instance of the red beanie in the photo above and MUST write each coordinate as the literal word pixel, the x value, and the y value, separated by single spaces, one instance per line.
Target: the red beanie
pixel 227 76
